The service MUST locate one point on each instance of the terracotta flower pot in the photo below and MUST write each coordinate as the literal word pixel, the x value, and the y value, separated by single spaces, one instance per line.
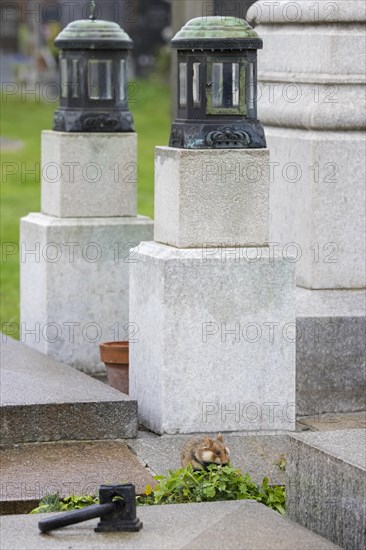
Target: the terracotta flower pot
pixel 115 357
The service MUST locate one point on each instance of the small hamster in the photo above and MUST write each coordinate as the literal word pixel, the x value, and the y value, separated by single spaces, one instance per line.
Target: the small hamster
pixel 202 451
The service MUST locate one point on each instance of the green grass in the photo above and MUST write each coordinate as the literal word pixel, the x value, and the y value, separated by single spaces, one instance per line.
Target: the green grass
pixel 20 191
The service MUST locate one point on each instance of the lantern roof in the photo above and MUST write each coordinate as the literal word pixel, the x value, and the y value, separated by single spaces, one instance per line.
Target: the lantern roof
pixel 217 32
pixel 92 34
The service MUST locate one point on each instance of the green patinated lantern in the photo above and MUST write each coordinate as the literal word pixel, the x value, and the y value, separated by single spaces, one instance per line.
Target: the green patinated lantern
pixel 217 85
pixel 93 77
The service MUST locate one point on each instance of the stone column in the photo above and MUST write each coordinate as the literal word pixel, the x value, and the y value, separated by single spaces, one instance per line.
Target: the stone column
pixel 312 104
pixel 216 314
pixel 76 253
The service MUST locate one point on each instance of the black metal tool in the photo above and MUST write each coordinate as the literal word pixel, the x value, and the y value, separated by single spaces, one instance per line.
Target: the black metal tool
pixel 117 511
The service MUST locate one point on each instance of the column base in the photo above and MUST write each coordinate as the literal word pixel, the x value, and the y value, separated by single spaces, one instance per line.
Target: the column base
pixel 330 351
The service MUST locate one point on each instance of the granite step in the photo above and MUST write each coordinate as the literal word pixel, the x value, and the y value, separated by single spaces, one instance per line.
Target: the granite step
pixel 44 400
pixel 326 485
pixel 31 471
pixel 235 525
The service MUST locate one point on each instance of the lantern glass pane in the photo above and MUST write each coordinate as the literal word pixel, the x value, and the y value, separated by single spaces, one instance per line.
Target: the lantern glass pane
pixel 75 78
pixel 122 81
pixel 217 84
pixel 235 82
pixel 182 84
pixel 251 86
pixel 196 85
pixel 100 79
pixel 63 77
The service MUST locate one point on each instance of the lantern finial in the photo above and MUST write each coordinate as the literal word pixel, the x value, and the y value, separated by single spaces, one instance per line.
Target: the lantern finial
pixel 93 8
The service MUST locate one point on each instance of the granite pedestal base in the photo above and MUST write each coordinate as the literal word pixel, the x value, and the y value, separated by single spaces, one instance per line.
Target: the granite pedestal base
pixel 74 284
pixel 216 342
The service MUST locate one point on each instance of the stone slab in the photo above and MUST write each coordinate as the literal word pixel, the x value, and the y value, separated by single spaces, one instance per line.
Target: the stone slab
pixel 244 525
pixel 217 197
pixel 198 366
pixel 257 455
pixel 74 285
pixel 326 485
pixel 330 351
pixel 334 421
pixel 34 470
pixel 45 400
pixel 89 174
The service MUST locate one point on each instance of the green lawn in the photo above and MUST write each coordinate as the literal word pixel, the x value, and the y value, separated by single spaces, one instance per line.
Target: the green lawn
pixel 20 189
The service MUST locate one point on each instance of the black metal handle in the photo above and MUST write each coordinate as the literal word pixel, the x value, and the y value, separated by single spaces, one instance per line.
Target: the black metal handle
pixel 117 510
pixel 76 516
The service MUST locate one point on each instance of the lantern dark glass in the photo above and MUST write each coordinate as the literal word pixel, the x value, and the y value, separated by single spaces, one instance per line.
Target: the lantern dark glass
pixel 217 85
pixel 93 78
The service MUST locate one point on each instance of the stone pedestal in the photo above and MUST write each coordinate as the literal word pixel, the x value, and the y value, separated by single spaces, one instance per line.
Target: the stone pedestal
pixel 86 175
pixel 312 104
pixel 74 284
pixel 76 254
pixel 215 306
pixel 216 345
pixel 207 196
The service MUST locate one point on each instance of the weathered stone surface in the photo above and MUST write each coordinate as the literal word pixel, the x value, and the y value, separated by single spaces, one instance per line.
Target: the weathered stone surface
pixel 313 102
pixel 326 485
pixel 44 400
pixel 244 525
pixel 330 365
pixel 32 471
pixel 89 174
pixel 218 197
pixel 74 285
pixel 330 303
pixel 318 203
pixel 330 351
pixel 215 350
pixel 326 47
pixel 342 11
pixel 333 421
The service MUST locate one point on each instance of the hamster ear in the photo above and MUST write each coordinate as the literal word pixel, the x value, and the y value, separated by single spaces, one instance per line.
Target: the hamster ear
pixel 219 437
pixel 207 441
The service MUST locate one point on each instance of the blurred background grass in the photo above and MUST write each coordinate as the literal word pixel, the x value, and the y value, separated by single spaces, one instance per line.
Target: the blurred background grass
pixel 20 191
